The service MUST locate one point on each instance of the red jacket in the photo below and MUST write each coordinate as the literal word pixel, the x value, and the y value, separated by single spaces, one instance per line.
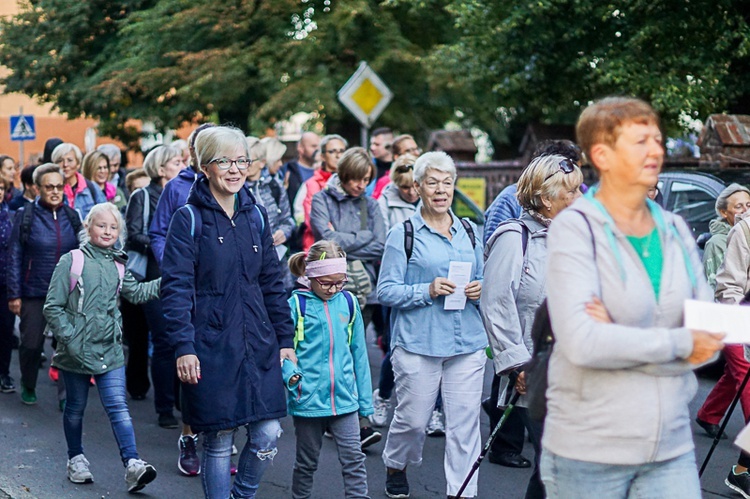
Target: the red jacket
pixel 313 186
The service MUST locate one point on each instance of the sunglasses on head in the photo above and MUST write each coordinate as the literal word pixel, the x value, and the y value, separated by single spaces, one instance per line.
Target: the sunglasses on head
pixel 404 168
pixel 566 166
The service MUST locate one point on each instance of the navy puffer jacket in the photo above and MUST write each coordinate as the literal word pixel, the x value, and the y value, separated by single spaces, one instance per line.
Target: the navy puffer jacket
pixel 30 265
pixel 224 301
pixel 6 227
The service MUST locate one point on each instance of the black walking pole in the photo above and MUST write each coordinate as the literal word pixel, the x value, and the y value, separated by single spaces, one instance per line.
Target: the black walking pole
pixel 487 446
pixel 724 423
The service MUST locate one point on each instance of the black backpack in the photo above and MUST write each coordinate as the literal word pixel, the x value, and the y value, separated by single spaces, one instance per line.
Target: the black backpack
pixel 543 339
pixel 28 217
pixel 409 236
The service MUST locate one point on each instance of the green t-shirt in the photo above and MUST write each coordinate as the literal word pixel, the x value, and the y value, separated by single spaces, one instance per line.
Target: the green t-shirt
pixel 649 249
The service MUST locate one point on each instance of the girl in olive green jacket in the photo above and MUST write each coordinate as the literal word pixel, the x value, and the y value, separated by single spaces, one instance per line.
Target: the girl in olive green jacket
pixel 81 311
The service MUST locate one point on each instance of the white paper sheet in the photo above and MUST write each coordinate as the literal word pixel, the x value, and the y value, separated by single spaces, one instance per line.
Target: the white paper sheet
pixel 743 439
pixel 733 320
pixel 281 251
pixel 459 273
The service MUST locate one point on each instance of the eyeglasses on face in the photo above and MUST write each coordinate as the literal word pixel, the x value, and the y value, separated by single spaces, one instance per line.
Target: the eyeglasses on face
pixel 432 184
pixel 566 166
pixel 328 286
pixel 226 163
pixel 415 151
pixel 53 187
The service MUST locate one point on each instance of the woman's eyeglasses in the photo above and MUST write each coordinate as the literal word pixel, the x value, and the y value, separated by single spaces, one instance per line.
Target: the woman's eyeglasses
pixel 404 168
pixel 331 286
pixel 566 166
pixel 226 163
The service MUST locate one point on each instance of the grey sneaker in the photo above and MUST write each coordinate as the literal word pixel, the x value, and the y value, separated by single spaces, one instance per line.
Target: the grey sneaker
pixel 78 470
pixel 435 428
pixel 380 417
pixel 138 474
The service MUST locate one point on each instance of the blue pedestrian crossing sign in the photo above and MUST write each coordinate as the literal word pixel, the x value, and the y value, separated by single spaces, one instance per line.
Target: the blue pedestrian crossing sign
pixel 22 127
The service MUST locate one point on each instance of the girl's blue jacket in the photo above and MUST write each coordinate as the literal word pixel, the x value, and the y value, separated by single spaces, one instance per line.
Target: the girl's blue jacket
pixel 335 374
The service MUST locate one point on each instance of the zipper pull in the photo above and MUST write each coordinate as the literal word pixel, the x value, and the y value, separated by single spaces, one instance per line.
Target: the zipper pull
pixel 255 248
pixel 221 240
pixel 232 222
pixel 54 214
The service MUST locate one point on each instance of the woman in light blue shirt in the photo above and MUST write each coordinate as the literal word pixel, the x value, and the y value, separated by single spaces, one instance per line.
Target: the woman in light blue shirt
pixel 433 348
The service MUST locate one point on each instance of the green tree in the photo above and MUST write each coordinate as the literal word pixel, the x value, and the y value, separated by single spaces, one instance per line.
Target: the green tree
pixel 248 62
pixel 546 59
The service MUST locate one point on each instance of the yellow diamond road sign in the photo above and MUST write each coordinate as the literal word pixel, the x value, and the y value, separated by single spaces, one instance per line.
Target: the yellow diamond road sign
pixel 365 95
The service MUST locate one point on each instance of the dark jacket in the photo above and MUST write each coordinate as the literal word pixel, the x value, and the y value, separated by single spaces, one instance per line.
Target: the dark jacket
pixel 336 216
pixel 224 301
pixel 137 239
pixel 174 195
pixel 30 265
pixel 6 227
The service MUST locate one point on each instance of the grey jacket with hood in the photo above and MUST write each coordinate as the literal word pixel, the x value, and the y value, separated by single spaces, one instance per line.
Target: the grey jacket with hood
pixel 618 393
pixel 335 216
pixel 514 287
pixel 395 209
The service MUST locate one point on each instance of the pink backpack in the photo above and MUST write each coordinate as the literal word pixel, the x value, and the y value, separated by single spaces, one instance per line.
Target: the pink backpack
pixel 76 271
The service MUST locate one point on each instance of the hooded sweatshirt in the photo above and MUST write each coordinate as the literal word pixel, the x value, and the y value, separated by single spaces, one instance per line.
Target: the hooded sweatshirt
pixel 713 255
pixel 618 393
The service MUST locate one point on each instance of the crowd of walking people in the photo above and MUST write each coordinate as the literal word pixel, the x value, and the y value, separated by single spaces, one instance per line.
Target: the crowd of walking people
pixel 243 287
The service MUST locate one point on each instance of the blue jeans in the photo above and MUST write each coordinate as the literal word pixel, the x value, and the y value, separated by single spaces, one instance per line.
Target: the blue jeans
pixel 255 457
pixel 111 386
pixel 675 478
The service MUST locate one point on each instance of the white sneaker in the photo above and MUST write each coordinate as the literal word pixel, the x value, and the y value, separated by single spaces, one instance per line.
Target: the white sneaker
pixel 435 428
pixel 380 417
pixel 138 474
pixel 78 470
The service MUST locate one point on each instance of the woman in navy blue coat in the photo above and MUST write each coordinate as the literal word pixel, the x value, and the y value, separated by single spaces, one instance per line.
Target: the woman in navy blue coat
pixel 227 316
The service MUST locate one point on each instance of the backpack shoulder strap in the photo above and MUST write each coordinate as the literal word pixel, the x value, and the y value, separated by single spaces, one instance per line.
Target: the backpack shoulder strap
pixel 26 219
pixel 262 219
pixel 74 218
pixel 363 213
pixel 90 185
pixel 275 192
pixel 196 226
pixel 352 317
pixel 470 231
pixel 524 237
pixel 300 302
pixel 76 268
pixel 408 238
pixel 120 274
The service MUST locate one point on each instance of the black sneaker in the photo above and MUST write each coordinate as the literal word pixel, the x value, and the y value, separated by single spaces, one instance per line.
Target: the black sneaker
pixel 396 485
pixel 739 483
pixel 6 384
pixel 167 420
pixel 368 436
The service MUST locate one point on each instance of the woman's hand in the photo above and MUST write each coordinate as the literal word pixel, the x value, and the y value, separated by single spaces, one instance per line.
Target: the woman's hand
pixel 705 345
pixel 441 287
pixel 189 369
pixel 288 353
pixel 278 237
pixel 473 290
pixel 521 383
pixel 15 306
pixel 597 311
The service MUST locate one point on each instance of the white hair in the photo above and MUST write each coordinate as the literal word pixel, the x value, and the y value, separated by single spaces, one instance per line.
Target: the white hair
pixel 84 237
pixel 63 149
pixel 112 151
pixel 435 160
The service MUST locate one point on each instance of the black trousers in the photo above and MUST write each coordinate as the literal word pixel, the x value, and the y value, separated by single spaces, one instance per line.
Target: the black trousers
pixel 7 321
pixel 135 331
pixel 32 340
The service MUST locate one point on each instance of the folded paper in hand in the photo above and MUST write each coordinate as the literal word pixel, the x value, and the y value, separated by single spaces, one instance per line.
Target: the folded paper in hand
pixel 732 320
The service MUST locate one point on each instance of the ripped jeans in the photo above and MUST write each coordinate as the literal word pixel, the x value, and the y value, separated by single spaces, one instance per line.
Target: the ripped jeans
pixel 255 457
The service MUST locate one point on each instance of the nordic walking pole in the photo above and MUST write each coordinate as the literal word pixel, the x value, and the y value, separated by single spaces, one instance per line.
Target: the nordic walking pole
pixel 724 423
pixel 487 446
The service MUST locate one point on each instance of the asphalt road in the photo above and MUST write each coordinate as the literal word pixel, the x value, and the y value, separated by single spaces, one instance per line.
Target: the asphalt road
pixel 33 456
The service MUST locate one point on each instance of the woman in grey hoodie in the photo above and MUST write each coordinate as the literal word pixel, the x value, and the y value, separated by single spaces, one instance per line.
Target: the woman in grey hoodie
pixel 617 414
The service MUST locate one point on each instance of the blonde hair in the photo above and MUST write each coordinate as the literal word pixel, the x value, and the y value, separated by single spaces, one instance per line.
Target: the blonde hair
pixel 63 149
pixel 402 170
pixel 213 141
pixel 158 157
pixel 320 250
pixel 100 209
pixel 91 164
pixel 544 178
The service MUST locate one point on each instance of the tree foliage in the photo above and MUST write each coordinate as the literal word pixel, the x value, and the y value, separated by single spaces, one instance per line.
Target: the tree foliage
pixel 546 59
pixel 248 62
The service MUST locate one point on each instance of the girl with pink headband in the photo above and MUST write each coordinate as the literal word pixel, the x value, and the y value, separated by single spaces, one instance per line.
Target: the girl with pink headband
pixel 330 385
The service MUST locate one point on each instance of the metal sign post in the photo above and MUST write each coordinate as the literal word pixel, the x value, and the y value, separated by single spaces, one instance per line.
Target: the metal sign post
pixel 365 96
pixel 21 130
